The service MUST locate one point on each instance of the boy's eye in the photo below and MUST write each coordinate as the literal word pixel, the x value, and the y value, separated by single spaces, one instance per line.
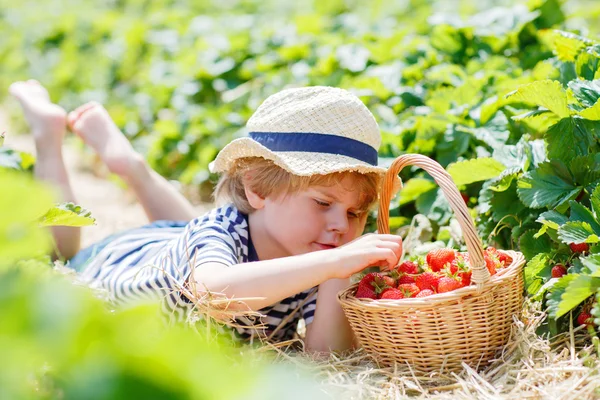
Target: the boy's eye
pixel 353 215
pixel 322 203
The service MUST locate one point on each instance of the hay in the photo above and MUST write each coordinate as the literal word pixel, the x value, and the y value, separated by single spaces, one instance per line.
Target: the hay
pixel 530 367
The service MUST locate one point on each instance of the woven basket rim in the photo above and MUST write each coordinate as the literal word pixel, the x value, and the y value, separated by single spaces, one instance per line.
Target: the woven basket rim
pixel 346 296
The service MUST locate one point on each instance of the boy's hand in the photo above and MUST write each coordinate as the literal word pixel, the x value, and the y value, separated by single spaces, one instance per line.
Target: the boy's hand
pixel 367 251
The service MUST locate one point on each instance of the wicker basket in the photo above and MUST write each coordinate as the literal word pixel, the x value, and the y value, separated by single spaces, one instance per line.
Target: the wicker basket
pixel 439 332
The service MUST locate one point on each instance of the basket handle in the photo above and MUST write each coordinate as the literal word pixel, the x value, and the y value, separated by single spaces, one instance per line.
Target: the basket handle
pixel 480 274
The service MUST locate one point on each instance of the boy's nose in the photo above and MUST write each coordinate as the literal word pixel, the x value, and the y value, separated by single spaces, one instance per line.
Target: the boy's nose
pixel 339 224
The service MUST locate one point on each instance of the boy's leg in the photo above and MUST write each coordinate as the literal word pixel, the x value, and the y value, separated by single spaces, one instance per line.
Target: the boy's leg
pixel 48 125
pixel 158 197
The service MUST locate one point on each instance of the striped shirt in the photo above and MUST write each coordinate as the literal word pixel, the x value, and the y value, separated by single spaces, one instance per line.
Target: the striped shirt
pixel 155 261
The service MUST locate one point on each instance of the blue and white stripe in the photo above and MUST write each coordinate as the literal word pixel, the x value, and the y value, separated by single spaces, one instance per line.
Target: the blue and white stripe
pixel 155 260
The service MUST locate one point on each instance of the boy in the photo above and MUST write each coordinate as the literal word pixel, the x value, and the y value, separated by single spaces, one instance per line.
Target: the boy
pixel 294 194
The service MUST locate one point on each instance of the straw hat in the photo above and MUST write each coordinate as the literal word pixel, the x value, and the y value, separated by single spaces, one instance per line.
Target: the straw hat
pixel 307 131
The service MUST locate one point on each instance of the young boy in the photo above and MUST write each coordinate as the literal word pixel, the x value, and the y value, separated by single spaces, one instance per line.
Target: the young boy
pixel 294 195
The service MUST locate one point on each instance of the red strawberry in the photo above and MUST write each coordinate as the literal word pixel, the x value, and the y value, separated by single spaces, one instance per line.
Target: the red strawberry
pixel 425 293
pixel 373 282
pixel 579 248
pixel 585 318
pixel 409 289
pixel 465 198
pixel 504 259
pixel 558 270
pixel 436 259
pixel 427 280
pixel 405 279
pixel 465 278
pixel 447 284
pixel 491 262
pixel 408 267
pixel 392 293
pixel 365 292
pixel 389 281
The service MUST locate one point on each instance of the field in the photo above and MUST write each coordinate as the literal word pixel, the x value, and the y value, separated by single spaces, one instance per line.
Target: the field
pixel 504 95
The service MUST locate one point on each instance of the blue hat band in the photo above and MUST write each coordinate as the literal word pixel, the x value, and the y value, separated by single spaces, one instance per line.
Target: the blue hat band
pixel 316 143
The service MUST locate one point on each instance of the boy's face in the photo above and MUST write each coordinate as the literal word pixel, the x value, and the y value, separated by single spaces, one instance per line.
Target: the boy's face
pixel 318 218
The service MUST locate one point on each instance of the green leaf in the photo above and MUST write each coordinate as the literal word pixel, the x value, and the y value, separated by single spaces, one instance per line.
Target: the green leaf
pixel 577 232
pixel 579 212
pixel 537 268
pixel 587 65
pixel 414 188
pixel 67 214
pixel 22 202
pixel 547 93
pixel 552 219
pixel 475 170
pixel 592 113
pixel 433 205
pixel 595 200
pixel 531 246
pixel 592 263
pixel 567 45
pixel 568 139
pixel 586 92
pixel 546 186
pixel 506 178
pixel 577 290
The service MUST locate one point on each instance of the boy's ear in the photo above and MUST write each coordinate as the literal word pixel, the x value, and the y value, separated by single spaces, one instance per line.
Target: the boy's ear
pixel 256 201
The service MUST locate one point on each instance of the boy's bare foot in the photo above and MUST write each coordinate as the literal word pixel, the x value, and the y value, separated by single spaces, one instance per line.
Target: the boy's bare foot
pixel 47 120
pixel 93 124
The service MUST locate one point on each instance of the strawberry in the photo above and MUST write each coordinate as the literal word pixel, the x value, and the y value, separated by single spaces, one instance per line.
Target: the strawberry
pixel 405 279
pixel 389 281
pixel 436 259
pixel 491 262
pixel 409 289
pixel 365 292
pixel 425 293
pixel 558 270
pixel 392 293
pixel 427 280
pixel 465 198
pixel 579 248
pixel 447 284
pixel 585 318
pixel 370 285
pixel 408 267
pixel 465 278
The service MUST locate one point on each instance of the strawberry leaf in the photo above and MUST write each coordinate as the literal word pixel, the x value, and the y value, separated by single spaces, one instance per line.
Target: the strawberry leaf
pixel 579 212
pixel 475 170
pixel 554 297
pixel 586 92
pixel 414 188
pixel 577 232
pixel 547 93
pixel 592 113
pixel 547 186
pixel 67 214
pixel 592 263
pixel 595 200
pixel 552 219
pixel 577 290
pixel 568 139
pixel 531 246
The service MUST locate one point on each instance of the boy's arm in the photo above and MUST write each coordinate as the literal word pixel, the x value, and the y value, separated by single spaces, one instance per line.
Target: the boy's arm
pixel 329 330
pixel 272 280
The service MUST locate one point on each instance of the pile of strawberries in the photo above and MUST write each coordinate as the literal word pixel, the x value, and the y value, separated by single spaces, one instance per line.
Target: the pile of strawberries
pixel 444 270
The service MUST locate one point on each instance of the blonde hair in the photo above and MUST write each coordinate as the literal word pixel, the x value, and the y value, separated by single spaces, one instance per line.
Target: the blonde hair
pixel 267 179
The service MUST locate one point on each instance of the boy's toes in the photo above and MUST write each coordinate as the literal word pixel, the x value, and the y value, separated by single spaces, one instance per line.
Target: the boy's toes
pixel 15 88
pixel 74 115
